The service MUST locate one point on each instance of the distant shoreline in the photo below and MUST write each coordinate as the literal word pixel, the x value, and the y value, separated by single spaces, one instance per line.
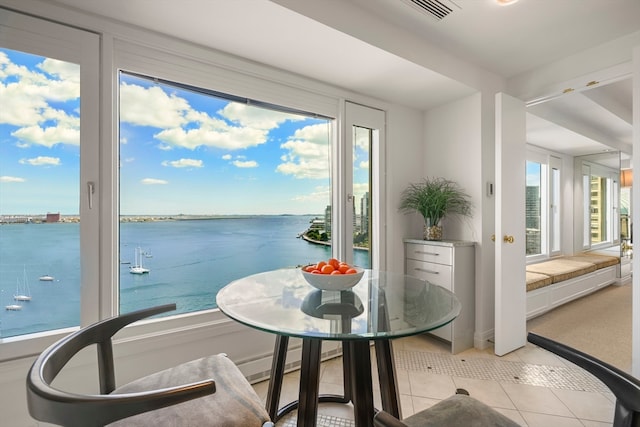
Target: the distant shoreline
pixel 41 219
pixel 319 242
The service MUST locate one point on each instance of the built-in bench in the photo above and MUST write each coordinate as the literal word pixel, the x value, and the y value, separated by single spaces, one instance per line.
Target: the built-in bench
pixel 559 280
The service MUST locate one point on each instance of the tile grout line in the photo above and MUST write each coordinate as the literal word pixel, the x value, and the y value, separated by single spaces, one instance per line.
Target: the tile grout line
pixel 560 377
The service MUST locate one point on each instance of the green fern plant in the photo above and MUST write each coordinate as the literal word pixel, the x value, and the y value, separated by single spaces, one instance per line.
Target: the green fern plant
pixel 435 198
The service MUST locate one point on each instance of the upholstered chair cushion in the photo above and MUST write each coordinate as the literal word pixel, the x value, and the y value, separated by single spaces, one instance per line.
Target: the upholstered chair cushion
pixel 234 403
pixel 459 410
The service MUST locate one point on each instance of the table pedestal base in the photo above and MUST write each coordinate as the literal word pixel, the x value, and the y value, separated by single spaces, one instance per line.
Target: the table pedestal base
pixel 358 387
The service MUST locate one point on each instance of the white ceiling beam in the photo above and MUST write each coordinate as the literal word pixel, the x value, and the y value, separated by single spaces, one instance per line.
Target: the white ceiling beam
pixel 610 103
pixel 547 112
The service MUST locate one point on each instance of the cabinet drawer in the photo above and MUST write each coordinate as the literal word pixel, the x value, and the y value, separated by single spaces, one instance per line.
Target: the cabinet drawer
pixel 438 274
pixel 439 254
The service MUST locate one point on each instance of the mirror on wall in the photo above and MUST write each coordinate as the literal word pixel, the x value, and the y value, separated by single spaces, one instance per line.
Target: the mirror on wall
pixel 597 198
pixel 593 125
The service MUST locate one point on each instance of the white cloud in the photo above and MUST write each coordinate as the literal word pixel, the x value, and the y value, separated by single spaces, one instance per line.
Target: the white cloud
pixel 65 71
pixel 26 95
pixel 321 194
pixel 245 164
pixel 154 181
pixel 226 157
pixel 6 178
pixel 184 163
pixel 242 126
pixel 307 153
pixel 364 164
pixel 256 117
pixel 218 135
pixel 151 107
pixel 42 161
pixel 362 139
pixel 49 136
pixel 359 188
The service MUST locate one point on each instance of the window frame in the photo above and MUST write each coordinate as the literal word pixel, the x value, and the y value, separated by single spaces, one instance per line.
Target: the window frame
pixel 44 38
pixel 612 223
pixel 224 74
pixel 550 230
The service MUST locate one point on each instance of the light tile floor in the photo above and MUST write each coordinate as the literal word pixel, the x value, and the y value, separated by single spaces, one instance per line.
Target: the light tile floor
pixel 532 386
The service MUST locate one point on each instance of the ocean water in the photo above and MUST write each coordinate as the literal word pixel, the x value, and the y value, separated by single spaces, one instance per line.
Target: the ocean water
pixel 189 261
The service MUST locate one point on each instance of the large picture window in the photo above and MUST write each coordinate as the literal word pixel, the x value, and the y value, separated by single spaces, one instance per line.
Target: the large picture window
pixel 174 191
pixel 213 188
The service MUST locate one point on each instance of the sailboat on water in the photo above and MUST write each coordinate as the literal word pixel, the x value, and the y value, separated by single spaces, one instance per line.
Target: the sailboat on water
pixel 13 307
pixel 137 267
pixel 23 293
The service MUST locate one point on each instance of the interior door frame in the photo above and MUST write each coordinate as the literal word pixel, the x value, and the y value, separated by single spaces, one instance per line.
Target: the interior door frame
pixel 510 277
pixel 635 215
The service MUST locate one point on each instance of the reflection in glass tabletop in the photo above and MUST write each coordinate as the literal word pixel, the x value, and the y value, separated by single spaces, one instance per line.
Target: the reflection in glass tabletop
pixel 382 305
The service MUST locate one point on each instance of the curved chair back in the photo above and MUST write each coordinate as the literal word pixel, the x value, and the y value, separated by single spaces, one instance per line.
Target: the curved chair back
pixel 49 404
pixel 625 387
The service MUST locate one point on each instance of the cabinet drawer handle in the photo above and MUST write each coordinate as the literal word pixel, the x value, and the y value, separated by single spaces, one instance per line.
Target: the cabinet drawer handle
pixel 428 253
pixel 427 271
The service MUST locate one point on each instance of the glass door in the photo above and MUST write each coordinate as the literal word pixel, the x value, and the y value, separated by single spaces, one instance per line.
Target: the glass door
pixel 364 190
pixel 48 170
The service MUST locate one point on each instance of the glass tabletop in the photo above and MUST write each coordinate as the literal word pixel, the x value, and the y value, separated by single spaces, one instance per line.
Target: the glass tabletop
pixel 381 305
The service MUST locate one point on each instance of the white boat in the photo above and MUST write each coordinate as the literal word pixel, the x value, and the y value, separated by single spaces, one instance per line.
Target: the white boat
pixel 46 278
pixel 137 267
pixel 13 307
pixel 22 289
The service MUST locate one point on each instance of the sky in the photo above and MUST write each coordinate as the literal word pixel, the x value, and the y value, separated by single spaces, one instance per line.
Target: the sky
pixel 181 152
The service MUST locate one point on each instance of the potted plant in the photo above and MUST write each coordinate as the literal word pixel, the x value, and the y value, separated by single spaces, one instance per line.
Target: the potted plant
pixel 434 198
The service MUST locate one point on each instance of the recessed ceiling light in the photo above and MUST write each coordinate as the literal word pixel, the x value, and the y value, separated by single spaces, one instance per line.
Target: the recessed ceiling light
pixel 506 2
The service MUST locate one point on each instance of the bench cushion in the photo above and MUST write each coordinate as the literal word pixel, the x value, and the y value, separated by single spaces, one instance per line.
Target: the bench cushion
pixel 537 280
pixel 562 269
pixel 601 261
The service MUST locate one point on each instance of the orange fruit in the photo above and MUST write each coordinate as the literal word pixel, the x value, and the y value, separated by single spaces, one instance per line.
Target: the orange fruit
pixel 327 269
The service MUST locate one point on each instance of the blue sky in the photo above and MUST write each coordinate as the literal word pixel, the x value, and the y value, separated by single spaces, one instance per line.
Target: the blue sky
pixel 180 152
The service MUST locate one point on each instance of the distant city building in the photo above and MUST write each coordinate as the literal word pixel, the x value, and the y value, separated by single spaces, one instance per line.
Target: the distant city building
pixel 364 213
pixel 317 224
pixel 327 219
pixel 532 220
pixel 598 210
pixel 53 217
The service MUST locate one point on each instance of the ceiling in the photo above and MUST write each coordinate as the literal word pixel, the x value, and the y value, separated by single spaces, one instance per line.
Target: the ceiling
pixel 504 40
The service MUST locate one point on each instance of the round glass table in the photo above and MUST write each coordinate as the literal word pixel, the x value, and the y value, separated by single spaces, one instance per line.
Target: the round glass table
pixel 380 307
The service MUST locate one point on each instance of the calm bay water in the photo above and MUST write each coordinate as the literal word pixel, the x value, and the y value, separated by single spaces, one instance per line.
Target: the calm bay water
pixel 189 262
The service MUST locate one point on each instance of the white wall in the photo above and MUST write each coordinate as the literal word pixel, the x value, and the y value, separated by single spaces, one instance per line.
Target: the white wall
pixel 453 147
pixel 405 150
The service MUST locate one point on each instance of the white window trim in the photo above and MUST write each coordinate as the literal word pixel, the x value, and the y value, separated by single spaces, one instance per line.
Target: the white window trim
pixel 554 163
pixel 41 37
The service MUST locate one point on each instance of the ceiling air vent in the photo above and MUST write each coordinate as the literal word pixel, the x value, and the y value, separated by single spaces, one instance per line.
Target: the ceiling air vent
pixel 437 9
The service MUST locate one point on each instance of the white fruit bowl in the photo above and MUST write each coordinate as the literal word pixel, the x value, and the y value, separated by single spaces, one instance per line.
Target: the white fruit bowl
pixel 334 282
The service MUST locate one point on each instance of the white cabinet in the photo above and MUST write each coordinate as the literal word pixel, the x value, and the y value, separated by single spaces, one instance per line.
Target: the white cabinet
pixel 450 264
